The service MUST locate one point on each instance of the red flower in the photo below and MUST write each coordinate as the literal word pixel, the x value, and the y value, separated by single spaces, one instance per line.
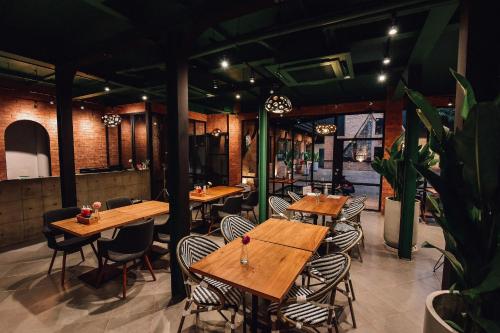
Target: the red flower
pixel 245 239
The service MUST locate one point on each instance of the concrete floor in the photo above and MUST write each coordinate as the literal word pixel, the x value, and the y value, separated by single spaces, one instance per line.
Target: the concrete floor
pixel 390 292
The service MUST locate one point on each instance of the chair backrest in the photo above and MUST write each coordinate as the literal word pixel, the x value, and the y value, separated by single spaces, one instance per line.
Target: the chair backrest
pixel 191 249
pixel 134 238
pixel 118 202
pixel 352 212
pixel 54 216
pixel 295 197
pixel 279 206
pixel 356 200
pixel 252 199
pixel 235 226
pixel 346 240
pixel 332 269
pixel 232 205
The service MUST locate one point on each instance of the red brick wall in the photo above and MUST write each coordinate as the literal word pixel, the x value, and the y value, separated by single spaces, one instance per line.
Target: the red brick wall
pixel 234 150
pixel 89 132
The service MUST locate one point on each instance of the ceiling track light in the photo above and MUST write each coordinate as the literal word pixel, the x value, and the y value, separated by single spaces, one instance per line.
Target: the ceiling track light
pixel 393 29
pixel 238 96
pixel 216 86
pixel 106 88
pixel 382 77
pixel 386 61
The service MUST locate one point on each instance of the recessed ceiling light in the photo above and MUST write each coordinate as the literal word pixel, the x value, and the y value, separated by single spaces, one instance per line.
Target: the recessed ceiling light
pixel 393 30
pixel 347 77
pixel 386 61
pixel 144 97
pixel 382 77
pixel 51 102
pixel 82 107
pixel 238 96
pixel 106 89
pixel 209 95
pixel 271 91
pixel 224 63
pixel 252 80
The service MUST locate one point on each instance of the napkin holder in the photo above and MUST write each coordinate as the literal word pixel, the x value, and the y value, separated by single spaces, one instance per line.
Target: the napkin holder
pixel 86 220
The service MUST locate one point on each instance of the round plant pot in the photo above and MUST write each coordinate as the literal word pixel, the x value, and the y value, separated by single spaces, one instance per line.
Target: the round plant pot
pixel 391 222
pixel 440 306
pixel 315 166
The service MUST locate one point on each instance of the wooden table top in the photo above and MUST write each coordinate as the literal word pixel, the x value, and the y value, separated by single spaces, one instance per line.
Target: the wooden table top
pixel 215 193
pixel 326 206
pixel 113 218
pixel 283 180
pixel 294 234
pixel 271 270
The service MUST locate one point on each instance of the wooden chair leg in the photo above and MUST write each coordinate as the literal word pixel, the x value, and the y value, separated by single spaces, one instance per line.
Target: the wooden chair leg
pixel 150 268
pixel 63 272
pixel 52 262
pixel 124 282
pixel 81 254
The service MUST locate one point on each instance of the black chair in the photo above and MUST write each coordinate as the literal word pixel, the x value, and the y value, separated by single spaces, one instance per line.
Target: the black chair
pixel 232 206
pixel 131 243
pixel 70 243
pixel 249 203
pixel 117 203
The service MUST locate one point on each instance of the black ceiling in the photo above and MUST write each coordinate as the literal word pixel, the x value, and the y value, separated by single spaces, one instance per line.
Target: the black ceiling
pixel 297 46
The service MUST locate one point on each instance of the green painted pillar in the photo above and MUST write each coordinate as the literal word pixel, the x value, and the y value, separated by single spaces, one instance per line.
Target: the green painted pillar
pixel 409 172
pixel 263 137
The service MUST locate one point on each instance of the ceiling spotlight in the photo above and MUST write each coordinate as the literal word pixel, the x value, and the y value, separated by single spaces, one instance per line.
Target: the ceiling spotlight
pixel 386 61
pixel 450 102
pixel 224 63
pixel 252 80
pixel 106 89
pixel 393 30
pixel 82 107
pixel 238 96
pixel 216 86
pixel 347 77
pixel 382 77
pixel 51 102
pixel 144 97
pixel 271 91
pixel 209 95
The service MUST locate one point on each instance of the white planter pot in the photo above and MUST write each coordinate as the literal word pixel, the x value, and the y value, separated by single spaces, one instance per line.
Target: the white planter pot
pixel 315 166
pixel 438 305
pixel 391 222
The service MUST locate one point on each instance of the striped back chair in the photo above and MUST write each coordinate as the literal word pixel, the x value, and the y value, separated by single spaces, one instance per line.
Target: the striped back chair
pixel 317 308
pixel 295 197
pixel 279 206
pixel 352 213
pixel 356 200
pixel 207 294
pixel 234 226
pixel 345 241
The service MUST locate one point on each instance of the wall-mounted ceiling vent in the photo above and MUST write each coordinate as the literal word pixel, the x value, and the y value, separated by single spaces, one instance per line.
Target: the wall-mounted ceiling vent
pixel 314 71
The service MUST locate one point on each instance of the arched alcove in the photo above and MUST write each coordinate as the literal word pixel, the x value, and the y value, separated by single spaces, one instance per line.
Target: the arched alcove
pixel 27 150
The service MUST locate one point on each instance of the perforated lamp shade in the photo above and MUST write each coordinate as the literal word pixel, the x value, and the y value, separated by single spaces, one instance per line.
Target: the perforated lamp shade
pixel 326 129
pixel 111 120
pixel 278 104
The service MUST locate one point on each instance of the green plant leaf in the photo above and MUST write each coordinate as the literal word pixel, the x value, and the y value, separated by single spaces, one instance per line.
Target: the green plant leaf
pixel 478 149
pixel 454 325
pixel 492 280
pixel 427 114
pixel 455 264
pixel 469 96
pixel 489 326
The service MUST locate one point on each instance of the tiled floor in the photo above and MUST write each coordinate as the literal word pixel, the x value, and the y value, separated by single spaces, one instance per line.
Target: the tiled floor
pixel 390 293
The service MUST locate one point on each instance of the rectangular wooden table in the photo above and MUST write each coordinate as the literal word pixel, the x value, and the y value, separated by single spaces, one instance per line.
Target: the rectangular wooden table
pixel 270 272
pixel 114 218
pixel 293 234
pixel 214 193
pixel 325 207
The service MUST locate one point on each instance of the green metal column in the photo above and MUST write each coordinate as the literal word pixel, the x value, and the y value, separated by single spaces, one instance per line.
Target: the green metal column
pixel 409 172
pixel 263 136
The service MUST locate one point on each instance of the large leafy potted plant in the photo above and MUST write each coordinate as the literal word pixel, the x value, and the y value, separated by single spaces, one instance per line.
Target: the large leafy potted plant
pixel 468 210
pixel 391 169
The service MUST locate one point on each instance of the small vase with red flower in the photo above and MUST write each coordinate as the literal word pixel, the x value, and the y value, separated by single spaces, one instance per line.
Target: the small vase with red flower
pixel 245 240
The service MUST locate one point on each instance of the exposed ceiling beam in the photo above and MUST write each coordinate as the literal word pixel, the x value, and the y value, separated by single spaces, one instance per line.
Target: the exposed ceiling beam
pixel 435 24
pixel 100 93
pixel 418 5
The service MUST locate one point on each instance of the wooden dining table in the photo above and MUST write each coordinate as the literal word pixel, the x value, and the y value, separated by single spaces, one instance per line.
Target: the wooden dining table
pixel 275 260
pixel 214 193
pixel 110 219
pixel 325 205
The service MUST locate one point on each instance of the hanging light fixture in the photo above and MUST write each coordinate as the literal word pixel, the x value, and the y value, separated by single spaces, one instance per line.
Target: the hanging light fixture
pixel 111 120
pixel 279 104
pixel 216 132
pixel 326 129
